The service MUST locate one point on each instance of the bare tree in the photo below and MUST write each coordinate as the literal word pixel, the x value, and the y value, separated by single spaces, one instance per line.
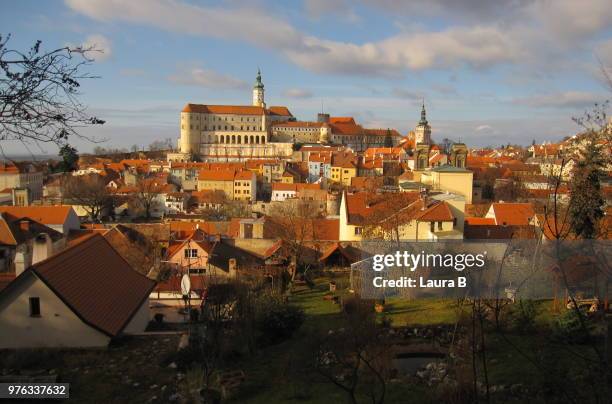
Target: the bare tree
pixel 355 358
pixel 39 93
pixel 146 195
pixel 89 191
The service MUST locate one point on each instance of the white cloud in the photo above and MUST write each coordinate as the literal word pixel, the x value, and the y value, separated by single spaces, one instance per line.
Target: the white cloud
pixel 568 99
pixel 297 93
pixel 101 45
pixel 530 36
pixel 484 128
pixel 207 78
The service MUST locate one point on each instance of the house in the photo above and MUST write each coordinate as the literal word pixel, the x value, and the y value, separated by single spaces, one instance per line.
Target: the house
pixel 19 237
pixel 512 214
pixel 343 168
pixel 177 202
pixel 190 254
pixel 448 178
pixel 245 186
pixel 82 297
pixel 282 191
pixel 22 176
pixel 236 184
pixel 207 199
pixel 61 218
pixel 404 216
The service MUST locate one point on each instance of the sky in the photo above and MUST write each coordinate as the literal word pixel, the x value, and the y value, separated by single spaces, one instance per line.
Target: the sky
pixel 489 72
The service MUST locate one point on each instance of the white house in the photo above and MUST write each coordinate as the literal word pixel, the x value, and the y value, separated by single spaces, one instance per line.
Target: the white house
pixel 81 297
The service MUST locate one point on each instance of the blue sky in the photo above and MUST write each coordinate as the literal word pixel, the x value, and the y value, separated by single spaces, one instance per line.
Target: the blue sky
pixel 490 72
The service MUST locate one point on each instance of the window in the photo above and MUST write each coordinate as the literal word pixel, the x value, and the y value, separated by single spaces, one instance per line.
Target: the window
pixel 431 227
pixel 34 307
pixel 439 225
pixel 358 230
pixel 191 253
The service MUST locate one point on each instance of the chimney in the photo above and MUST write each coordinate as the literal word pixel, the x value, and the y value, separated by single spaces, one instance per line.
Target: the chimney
pixel 231 266
pixel 22 262
pixel 42 248
pixel 24 225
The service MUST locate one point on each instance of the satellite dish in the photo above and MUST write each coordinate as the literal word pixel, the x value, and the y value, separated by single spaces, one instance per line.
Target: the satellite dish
pixel 185 285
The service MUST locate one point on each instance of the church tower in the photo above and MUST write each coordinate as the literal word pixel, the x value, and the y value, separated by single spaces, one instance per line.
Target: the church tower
pixel 423 130
pixel 258 91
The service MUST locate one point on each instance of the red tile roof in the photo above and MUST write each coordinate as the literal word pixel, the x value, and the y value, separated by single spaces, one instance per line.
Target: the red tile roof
pixel 480 221
pixel 224 109
pixel 57 214
pixel 439 212
pixel 96 283
pixel 513 214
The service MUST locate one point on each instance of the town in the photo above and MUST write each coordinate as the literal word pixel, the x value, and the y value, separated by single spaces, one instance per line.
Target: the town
pixel 251 255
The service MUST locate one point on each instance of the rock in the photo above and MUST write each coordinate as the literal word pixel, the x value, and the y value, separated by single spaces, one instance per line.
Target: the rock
pixel 172 365
pixel 174 397
pixel 164 387
pixel 153 386
pixel 136 384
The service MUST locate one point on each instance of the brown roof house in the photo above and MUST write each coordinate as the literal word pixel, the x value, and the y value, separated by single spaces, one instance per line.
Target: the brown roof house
pixel 81 297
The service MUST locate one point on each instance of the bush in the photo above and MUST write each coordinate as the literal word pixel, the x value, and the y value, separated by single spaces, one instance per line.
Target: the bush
pixel 523 318
pixel 279 321
pixel 567 327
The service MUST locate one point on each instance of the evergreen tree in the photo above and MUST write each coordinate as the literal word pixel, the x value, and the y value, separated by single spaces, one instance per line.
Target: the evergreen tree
pixel 69 157
pixel 586 203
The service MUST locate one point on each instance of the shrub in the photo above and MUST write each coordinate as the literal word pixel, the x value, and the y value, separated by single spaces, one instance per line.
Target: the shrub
pixel 523 317
pixel 279 321
pixel 567 327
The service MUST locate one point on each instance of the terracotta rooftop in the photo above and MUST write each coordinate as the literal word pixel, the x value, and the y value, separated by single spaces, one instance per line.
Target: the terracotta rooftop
pixel 513 214
pixel 439 212
pixel 47 215
pixel 95 282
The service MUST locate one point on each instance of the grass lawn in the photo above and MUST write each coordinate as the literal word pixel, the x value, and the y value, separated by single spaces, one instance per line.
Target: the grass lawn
pixel 272 376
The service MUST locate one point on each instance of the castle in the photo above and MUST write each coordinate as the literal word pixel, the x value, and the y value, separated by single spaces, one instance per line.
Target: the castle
pixel 256 131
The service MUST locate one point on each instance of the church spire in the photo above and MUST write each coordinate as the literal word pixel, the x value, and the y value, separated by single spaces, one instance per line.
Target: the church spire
pixel 423 120
pixel 258 82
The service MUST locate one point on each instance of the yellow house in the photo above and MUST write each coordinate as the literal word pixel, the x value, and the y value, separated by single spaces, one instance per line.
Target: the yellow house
pixel 451 179
pixel 245 186
pixel 406 216
pixel 235 184
pixel 342 170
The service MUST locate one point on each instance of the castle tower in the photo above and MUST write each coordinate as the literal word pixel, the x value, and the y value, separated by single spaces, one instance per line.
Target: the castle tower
pixel 423 130
pixel 258 91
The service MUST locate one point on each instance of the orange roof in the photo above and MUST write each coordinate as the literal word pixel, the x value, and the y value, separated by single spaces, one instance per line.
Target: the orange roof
pixel 95 282
pixel 342 119
pixel 299 186
pixel 300 124
pixel 244 175
pixel 372 151
pixel 224 109
pixel 276 110
pixel 513 214
pixel 439 212
pixel 197 236
pixel 57 214
pixel 480 221
pixel 9 168
pixel 363 205
pixel 217 175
